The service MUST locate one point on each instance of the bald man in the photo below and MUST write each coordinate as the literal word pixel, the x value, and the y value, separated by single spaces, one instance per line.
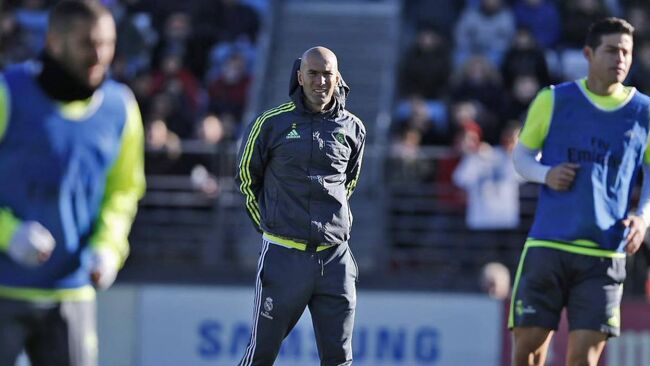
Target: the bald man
pixel 298 165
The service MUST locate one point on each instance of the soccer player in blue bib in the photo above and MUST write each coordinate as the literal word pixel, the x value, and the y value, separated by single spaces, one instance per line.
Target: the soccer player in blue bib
pixel 71 173
pixel 593 137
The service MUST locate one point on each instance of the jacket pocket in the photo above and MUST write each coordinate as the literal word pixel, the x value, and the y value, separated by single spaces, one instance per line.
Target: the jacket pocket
pixel 338 154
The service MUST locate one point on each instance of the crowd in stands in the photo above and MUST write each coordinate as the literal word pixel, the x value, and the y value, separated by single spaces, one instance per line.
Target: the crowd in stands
pixel 467 63
pixel 189 63
pixel 481 62
pixel 471 68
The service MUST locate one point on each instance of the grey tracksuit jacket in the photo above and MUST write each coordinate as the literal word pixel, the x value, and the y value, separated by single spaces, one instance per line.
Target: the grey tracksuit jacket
pixel 298 168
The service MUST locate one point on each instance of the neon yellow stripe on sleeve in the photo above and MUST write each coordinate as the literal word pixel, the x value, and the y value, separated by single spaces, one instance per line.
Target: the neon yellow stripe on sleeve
pixel 125 185
pixel 353 182
pixel 8 226
pixel 4 107
pixel 538 120
pixel 244 166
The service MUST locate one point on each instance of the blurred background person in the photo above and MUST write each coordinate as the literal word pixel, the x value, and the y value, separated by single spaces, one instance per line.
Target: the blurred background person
pixel 72 142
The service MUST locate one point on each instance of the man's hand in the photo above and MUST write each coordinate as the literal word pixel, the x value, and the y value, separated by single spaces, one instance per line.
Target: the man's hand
pixel 636 234
pixel 561 176
pixel 103 268
pixel 31 245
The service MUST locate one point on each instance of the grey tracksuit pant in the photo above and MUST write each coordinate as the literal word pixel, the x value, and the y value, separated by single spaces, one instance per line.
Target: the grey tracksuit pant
pixel 288 281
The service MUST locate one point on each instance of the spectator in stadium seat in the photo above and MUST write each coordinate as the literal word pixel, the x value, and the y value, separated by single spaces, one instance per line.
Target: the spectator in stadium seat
pixel 593 138
pixel 576 17
pixel 418 114
pixel 424 69
pixel 12 46
pixel 640 73
pixel 211 130
pixel 71 163
pixel 541 18
pixel 163 149
pixel 229 90
pixel 298 165
pixel 479 83
pixel 237 19
pixel 466 131
pixel 478 80
pixel 136 37
pixel 487 175
pixel 441 14
pixel 518 98
pixel 31 17
pixel 176 80
pixel 524 57
pixel 484 31
pixel 172 109
pixel 221 23
pixel 178 37
pixel 406 163
pixel 639 16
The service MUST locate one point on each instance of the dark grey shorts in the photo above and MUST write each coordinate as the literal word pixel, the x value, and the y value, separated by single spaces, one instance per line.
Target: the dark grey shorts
pixel 549 280
pixel 52 334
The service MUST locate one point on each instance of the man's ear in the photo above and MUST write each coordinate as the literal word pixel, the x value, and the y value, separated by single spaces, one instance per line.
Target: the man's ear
pixel 300 82
pixel 588 53
pixel 54 43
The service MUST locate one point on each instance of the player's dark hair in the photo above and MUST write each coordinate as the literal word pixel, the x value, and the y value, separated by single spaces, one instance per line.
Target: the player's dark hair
pixel 611 25
pixel 65 12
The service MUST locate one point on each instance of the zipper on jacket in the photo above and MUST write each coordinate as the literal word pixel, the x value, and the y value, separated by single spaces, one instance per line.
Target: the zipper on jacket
pixel 309 166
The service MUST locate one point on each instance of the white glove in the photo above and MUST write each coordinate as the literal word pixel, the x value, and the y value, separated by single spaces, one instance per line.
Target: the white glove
pixel 103 268
pixel 31 245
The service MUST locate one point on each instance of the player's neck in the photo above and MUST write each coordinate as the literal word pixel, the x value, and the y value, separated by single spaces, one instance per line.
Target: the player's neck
pixel 599 87
pixel 58 83
pixel 318 108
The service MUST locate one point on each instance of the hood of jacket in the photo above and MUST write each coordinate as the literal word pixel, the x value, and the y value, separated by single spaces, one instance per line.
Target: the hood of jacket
pixel 297 95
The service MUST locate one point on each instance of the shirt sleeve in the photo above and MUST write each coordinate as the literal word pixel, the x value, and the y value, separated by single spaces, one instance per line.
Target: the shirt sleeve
pixel 125 185
pixel 526 164
pixel 8 226
pixel 538 120
pixel 252 158
pixel 354 165
pixel 8 222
